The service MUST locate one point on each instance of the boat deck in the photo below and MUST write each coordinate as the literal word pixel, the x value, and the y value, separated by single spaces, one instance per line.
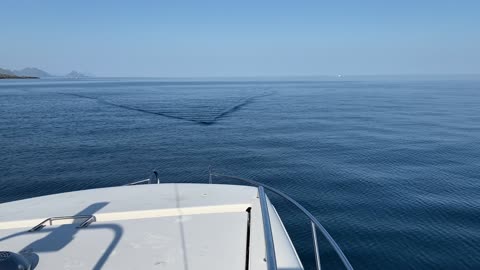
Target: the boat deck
pixel 165 226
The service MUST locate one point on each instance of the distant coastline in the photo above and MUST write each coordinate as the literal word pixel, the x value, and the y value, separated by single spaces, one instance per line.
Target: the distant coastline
pixel 9 76
pixel 35 73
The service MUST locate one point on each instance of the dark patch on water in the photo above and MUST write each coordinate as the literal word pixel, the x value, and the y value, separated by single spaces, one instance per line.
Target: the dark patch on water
pixel 212 121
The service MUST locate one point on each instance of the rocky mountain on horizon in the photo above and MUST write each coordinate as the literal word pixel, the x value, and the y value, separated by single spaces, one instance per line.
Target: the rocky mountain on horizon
pixel 6 72
pixel 38 73
pixel 26 72
pixel 32 72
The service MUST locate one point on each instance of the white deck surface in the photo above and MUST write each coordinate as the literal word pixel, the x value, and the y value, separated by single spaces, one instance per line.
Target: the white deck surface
pixel 166 226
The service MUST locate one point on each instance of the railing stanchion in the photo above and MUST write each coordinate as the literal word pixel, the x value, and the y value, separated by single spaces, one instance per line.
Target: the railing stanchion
pixel 156 176
pixel 315 245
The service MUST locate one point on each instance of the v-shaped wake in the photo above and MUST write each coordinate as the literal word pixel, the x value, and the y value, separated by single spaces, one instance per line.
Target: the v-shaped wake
pixel 239 105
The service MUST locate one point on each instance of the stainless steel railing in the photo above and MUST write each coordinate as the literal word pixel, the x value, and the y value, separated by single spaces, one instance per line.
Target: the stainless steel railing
pixel 140 182
pixel 314 222
pixel 153 178
pixel 269 243
pixel 88 219
pixel 267 231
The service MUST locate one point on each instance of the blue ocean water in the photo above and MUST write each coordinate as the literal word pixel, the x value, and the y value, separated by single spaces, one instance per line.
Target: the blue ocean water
pixel 390 167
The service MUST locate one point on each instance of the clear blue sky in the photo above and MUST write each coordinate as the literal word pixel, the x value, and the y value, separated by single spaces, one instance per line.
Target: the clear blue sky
pixel 241 38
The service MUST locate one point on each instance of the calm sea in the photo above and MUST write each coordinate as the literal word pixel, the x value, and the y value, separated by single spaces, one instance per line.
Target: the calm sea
pixel 391 168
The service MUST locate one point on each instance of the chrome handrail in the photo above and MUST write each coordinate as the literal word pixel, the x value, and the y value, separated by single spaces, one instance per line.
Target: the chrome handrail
pixel 88 219
pixel 315 246
pixel 267 231
pixel 144 181
pixel 271 260
pixel 313 220
pixel 149 180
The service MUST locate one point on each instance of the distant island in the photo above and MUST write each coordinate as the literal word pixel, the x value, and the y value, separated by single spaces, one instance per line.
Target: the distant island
pixel 8 76
pixel 35 73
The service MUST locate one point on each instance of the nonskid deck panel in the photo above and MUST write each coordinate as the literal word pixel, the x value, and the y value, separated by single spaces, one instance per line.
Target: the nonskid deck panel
pixel 166 226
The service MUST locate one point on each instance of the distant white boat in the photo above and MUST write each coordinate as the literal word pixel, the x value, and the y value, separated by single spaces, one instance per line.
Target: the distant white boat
pixel 148 225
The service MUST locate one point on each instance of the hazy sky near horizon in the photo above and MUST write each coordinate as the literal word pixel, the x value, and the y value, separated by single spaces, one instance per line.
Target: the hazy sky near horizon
pixel 241 38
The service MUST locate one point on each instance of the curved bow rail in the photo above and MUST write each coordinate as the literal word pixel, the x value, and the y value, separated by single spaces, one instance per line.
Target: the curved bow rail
pixel 270 249
pixel 315 223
